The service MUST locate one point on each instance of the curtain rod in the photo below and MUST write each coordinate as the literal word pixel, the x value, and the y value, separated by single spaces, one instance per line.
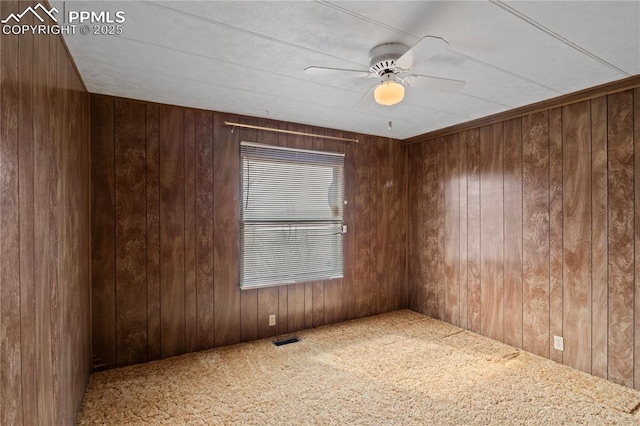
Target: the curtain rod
pixel 291 132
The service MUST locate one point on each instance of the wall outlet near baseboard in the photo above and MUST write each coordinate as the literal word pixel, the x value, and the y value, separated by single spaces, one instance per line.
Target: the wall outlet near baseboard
pixel 272 320
pixel 558 343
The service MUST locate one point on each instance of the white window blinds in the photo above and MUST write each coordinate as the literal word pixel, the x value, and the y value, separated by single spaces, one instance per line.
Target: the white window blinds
pixel 290 215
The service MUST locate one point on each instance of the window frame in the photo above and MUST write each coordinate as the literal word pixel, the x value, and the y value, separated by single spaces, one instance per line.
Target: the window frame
pixel 279 154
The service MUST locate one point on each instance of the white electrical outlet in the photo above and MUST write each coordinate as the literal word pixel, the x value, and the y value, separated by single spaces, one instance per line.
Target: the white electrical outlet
pixel 558 343
pixel 272 320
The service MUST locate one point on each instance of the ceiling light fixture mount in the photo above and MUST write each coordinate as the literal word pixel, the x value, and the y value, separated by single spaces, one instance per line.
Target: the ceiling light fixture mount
pixel 382 58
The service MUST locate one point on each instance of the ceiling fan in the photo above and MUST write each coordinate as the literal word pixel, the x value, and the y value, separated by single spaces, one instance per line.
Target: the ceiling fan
pixel 392 62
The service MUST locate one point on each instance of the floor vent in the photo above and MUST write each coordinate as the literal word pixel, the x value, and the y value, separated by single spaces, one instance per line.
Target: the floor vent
pixel 286 341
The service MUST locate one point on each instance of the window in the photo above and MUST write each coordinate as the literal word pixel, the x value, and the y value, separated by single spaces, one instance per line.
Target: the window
pixel 290 215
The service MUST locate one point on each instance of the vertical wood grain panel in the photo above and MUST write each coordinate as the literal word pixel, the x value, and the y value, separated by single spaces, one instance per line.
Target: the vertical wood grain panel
pixel 103 232
pixel 204 230
pixel 419 282
pixel 429 253
pixel 152 129
pixel 473 228
pixel 75 165
pixel 61 211
pixel 295 307
pixel 440 220
pixel 576 328
pixel 225 229
pixel 415 244
pixel 10 348
pixel 376 248
pixel 513 232
pixel 349 295
pixel 283 310
pixel 621 241
pixel 267 305
pixel 555 230
pixel 372 300
pixel 61 320
pixel 26 222
pixel 636 157
pixel 172 239
pixel 363 243
pixel 333 292
pixel 599 238
pixel 375 231
pixel 398 223
pixel 492 232
pixel 42 139
pixel 57 171
pixel 75 260
pixel 62 193
pixel 462 168
pixel 45 224
pixel 535 239
pixel 130 182
pixel 190 242
pixel 249 314
pixel 3 115
pixel 317 301
pixel 63 244
pixel 451 230
pixel 381 221
pixel 308 303
pixel 333 301
pixel 82 286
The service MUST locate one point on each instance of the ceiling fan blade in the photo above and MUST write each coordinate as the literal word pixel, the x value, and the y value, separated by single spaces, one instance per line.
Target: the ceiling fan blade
pixel 335 72
pixel 421 51
pixel 366 96
pixel 446 85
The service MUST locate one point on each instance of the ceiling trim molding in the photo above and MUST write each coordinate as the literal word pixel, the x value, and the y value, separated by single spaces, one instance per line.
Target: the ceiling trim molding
pixel 559 101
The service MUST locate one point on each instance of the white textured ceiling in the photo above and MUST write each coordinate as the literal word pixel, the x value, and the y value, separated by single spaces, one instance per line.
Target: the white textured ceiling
pixel 248 57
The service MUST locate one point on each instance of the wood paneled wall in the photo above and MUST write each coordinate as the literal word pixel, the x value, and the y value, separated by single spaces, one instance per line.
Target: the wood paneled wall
pixel 165 233
pixel 45 345
pixel 529 228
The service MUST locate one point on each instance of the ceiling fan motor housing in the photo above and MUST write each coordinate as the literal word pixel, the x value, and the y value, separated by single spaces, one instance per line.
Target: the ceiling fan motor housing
pixel 383 57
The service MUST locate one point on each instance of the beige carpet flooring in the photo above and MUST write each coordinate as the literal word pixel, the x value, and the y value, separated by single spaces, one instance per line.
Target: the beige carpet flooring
pixel 399 368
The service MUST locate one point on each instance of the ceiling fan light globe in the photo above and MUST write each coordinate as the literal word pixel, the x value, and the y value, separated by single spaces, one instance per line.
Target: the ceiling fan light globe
pixel 389 93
